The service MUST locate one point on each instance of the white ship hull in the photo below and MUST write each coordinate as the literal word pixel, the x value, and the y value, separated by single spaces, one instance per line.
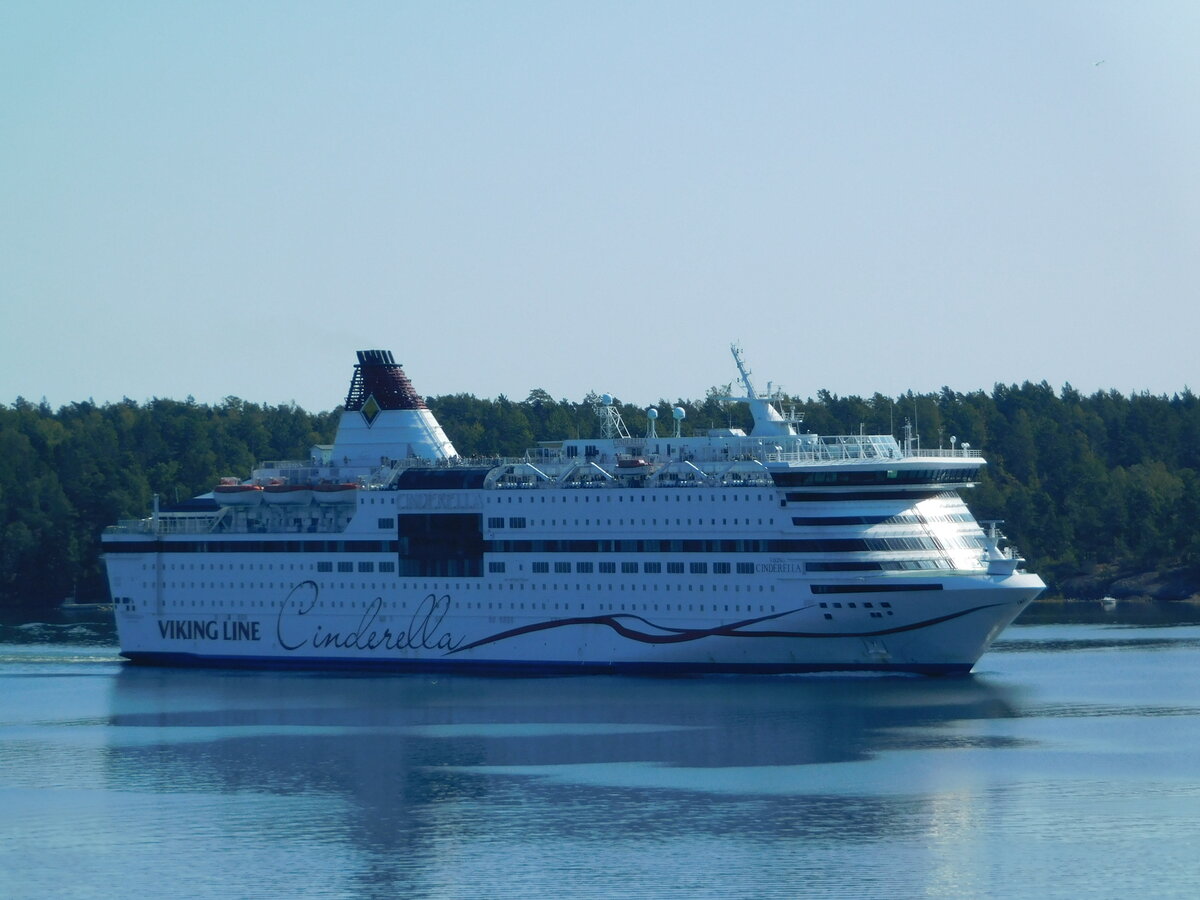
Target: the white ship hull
pixel 772 552
pixel 441 627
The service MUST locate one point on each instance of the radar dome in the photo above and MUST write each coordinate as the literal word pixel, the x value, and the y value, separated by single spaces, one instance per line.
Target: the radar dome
pixel 652 413
pixel 679 413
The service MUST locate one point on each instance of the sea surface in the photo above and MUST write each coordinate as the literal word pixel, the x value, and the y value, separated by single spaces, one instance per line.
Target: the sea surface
pixel 1068 765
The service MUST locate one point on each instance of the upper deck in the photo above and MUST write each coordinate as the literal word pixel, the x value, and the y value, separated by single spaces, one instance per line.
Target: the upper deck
pixel 388 440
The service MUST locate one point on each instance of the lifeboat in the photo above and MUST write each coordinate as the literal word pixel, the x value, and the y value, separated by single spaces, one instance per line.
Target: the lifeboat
pixel 335 493
pixel 231 492
pixel 284 494
pixel 633 467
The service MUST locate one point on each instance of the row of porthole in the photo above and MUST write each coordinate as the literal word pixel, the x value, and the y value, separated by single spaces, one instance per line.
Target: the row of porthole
pixel 587 498
pixel 587 523
pixel 500 607
pixel 173 585
pixel 241 566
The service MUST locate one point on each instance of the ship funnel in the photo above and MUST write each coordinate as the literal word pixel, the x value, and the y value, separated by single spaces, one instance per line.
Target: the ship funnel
pixel 385 419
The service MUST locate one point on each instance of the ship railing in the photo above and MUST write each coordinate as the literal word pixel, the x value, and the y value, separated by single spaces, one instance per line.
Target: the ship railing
pixel 944 453
pixel 837 448
pixel 131 526
pixel 802 448
pixel 175 523
pixel 187 523
pixel 287 464
pixel 456 462
pixel 828 451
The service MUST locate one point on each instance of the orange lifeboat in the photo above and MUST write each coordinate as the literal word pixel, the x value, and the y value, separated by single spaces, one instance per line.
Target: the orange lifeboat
pixel 335 493
pixel 231 492
pixel 280 493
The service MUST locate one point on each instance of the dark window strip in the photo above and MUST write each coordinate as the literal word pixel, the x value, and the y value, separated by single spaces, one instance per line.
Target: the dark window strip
pixel 843 520
pixel 834 496
pixel 848 566
pixel 799 545
pixel 280 546
pixel 871 588
pixel 876 476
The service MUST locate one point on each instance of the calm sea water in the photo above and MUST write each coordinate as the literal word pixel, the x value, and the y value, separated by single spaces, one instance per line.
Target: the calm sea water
pixel 1068 764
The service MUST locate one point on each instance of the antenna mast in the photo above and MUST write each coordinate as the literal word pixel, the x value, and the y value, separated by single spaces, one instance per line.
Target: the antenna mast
pixel 742 370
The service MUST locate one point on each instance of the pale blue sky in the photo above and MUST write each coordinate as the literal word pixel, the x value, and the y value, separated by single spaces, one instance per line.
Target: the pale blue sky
pixel 231 198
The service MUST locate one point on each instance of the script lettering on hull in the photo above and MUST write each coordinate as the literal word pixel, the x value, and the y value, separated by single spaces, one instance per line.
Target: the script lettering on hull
pixel 424 631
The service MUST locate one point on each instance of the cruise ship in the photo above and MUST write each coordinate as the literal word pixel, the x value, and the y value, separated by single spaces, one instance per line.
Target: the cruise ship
pixel 774 551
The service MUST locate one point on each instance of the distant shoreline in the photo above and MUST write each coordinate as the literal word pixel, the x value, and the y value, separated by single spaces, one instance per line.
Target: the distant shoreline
pixel 1142 599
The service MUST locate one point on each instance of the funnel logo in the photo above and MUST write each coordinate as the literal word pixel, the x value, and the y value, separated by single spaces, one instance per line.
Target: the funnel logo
pixel 370 410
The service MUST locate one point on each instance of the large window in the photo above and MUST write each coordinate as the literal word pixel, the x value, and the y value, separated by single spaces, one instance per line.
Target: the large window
pixel 441 544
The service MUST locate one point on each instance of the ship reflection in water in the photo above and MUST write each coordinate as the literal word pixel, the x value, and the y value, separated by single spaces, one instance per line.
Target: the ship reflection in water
pixel 422 779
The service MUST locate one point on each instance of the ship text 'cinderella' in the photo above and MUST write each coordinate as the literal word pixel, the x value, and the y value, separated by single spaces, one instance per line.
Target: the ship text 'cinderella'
pixel 769 552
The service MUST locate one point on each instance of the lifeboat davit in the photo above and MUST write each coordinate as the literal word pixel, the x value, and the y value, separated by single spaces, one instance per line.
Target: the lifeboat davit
pixel 335 493
pixel 232 493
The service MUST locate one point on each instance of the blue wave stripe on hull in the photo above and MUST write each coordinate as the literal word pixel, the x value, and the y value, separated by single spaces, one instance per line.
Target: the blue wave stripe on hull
pixel 733 629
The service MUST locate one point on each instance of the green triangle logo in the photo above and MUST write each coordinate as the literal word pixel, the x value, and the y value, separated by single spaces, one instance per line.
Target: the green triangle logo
pixel 371 410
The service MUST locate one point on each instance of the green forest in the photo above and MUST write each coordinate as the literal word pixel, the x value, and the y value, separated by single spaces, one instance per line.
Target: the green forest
pixel 1101 493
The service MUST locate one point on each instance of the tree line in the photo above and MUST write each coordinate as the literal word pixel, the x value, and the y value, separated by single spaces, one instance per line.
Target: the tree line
pixel 1090 487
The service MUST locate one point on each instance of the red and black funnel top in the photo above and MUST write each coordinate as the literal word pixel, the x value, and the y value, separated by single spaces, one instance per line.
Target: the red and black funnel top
pixel 378 375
